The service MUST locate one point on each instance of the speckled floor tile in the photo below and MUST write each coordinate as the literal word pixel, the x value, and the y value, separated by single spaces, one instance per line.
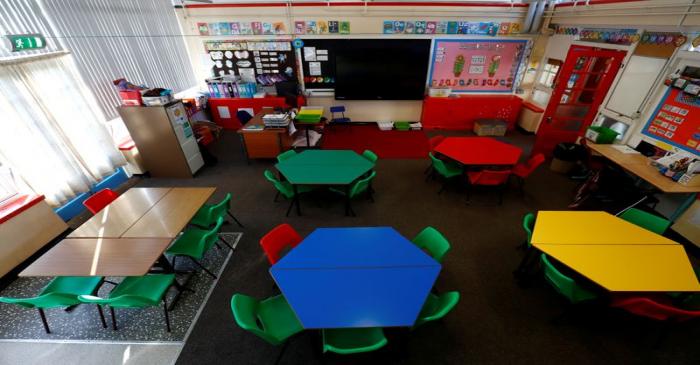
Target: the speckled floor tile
pixel 134 325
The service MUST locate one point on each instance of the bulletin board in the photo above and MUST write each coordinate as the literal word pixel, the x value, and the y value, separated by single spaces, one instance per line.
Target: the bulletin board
pixel 263 62
pixel 676 120
pixel 483 65
pixel 318 63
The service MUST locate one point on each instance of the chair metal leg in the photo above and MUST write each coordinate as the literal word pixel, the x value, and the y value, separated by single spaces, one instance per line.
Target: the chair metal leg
pixel 114 318
pixel 236 219
pixel 165 311
pixel 43 320
pixel 102 316
pixel 276 197
pixel 284 348
pixel 203 268
pixel 444 185
pixel 225 243
pixel 289 210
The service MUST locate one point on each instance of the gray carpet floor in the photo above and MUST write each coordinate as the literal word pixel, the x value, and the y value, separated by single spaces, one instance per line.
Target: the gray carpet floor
pixel 496 320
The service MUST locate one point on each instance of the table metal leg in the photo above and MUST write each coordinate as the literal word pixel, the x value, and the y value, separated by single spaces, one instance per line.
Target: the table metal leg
pixel 296 199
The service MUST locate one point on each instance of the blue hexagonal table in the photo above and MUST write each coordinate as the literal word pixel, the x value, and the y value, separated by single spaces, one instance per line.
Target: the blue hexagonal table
pixel 356 277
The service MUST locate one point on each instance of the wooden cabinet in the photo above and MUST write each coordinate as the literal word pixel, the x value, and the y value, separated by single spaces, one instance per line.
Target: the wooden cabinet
pixel 267 142
pixel 459 113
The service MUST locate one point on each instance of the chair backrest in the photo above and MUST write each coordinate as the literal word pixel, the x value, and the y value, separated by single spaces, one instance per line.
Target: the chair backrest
pixel 646 220
pixel 337 109
pixel 283 189
pixel 533 163
pixel 99 200
pixel 435 140
pixel 370 156
pixel 243 116
pixel 212 235
pixel 647 307
pixel 286 155
pixel 245 312
pixel 492 177
pixel 437 307
pixel 438 164
pixel 431 240
pixel 528 226
pixel 360 186
pixel 219 209
pixel 279 240
pixel 565 285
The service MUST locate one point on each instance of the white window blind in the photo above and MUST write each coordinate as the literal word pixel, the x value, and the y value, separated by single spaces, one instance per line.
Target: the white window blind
pixel 24 17
pixel 109 39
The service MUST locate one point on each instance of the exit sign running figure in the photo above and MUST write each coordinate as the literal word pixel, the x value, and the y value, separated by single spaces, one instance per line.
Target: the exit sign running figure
pixel 26 42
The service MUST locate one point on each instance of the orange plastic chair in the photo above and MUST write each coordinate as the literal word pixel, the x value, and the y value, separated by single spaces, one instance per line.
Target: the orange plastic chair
pixel 497 178
pixel 99 200
pixel 279 240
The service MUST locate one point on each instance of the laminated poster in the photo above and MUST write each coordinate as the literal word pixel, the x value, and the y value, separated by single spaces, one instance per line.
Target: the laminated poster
pixel 476 65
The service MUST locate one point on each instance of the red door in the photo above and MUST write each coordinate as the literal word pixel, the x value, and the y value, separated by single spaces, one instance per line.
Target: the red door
pixel 580 87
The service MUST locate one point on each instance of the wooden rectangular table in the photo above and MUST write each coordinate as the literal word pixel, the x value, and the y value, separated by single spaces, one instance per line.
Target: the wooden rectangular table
pixel 127 237
pixel 264 142
pixel 99 257
pixel 145 212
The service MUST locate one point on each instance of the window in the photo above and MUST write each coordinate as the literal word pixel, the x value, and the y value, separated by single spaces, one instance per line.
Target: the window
pixel 550 72
pixel 8 188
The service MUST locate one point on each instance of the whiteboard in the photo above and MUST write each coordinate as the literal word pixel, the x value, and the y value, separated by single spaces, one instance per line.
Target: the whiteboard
pixel 637 79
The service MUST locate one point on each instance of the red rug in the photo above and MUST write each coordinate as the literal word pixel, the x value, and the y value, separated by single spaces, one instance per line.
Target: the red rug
pixel 386 144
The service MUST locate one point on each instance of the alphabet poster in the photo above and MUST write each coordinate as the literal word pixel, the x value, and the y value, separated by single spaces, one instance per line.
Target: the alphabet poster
pixel 476 65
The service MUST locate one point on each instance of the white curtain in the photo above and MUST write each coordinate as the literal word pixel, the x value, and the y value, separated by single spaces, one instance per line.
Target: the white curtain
pixel 53 133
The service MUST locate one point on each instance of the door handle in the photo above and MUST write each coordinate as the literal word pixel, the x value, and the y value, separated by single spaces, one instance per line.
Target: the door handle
pixel 548 120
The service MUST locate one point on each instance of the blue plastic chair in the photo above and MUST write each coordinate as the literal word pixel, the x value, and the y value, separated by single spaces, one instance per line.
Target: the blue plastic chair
pixel 342 120
pixel 243 116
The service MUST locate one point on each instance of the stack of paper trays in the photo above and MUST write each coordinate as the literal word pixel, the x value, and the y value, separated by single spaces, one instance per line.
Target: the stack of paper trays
pixel 310 114
pixel 276 120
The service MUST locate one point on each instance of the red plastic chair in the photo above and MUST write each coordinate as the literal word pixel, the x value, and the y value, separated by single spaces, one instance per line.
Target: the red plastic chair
pixel 653 309
pixel 279 240
pixel 522 170
pixel 99 200
pixel 497 178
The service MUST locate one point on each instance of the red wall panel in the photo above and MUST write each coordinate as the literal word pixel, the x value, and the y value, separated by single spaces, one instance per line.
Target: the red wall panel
pixel 459 113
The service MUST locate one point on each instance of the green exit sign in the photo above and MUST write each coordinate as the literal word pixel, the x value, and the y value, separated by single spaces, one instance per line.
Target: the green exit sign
pixel 26 42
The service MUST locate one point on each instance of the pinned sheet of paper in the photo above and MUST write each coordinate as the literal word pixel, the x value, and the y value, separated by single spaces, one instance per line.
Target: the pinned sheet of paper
pixel 223 112
pixel 314 68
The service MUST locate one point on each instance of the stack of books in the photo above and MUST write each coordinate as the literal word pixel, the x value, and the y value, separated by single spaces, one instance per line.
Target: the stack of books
pixel 276 120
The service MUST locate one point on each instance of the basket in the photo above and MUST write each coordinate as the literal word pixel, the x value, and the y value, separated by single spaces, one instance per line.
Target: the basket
pixel 601 135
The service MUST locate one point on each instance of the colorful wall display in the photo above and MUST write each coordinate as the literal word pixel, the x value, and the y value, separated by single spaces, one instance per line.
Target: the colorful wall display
pixel 449 27
pixel 263 62
pixel 241 28
pixel 476 65
pixel 676 120
pixel 321 27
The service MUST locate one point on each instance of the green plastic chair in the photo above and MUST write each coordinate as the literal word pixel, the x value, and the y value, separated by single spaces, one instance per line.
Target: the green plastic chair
pixel 370 156
pixel 207 215
pixel 564 284
pixel 285 189
pixel 436 307
pixel 136 292
pixel 62 291
pixel 646 220
pixel 358 188
pixel 347 341
pixel 431 240
pixel 446 170
pixel 528 226
pixel 194 243
pixel 286 155
pixel 271 319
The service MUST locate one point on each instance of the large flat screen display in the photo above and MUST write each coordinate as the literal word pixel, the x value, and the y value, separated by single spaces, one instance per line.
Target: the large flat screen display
pixel 381 69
